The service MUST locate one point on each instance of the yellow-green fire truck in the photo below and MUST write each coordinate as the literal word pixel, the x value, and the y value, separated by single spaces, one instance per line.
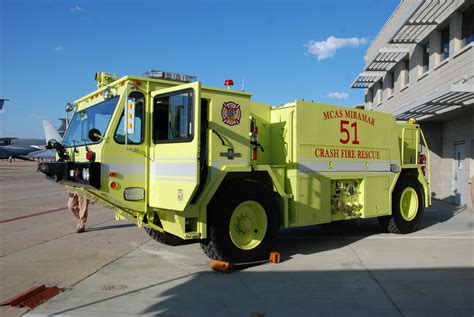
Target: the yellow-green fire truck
pixel 197 163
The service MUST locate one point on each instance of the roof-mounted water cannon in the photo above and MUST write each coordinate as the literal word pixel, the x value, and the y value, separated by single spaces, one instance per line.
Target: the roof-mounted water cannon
pixel 103 79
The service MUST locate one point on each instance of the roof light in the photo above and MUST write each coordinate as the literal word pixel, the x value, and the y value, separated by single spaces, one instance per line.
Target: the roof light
pixel 229 83
pixel 158 74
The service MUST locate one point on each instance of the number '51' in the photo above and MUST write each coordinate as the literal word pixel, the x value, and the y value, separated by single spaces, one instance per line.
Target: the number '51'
pixel 347 133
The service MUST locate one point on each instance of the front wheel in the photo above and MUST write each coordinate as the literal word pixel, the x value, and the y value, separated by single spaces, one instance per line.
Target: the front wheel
pixel 243 222
pixel 407 207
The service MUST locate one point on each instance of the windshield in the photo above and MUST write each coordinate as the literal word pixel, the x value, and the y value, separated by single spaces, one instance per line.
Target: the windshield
pixel 83 121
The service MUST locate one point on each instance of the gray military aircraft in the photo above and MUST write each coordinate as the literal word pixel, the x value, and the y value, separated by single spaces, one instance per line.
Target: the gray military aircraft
pixel 28 149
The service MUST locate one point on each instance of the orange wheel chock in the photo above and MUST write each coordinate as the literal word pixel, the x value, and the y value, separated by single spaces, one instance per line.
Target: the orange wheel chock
pixel 275 257
pixel 221 266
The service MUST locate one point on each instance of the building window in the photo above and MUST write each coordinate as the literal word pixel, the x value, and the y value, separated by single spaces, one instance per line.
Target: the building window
pixel 468 25
pixel 370 98
pixel 378 94
pixel 406 72
pixel 391 83
pixel 445 43
pixel 426 58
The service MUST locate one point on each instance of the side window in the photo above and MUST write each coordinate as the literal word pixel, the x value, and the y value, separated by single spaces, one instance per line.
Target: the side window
pixel 137 136
pixel 173 117
pixel 468 25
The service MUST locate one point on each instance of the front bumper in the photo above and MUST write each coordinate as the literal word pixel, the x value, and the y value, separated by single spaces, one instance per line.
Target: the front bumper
pixel 84 174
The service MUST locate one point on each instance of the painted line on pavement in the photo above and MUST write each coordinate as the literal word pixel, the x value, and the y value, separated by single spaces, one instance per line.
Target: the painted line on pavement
pixel 32 215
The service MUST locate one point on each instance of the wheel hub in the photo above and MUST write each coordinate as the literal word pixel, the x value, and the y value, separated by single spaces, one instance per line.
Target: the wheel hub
pixel 245 224
pixel 409 204
pixel 248 225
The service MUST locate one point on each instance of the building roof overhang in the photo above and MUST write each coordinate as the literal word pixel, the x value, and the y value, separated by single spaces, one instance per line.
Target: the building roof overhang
pixel 444 99
pixel 367 79
pixel 424 16
pixel 385 60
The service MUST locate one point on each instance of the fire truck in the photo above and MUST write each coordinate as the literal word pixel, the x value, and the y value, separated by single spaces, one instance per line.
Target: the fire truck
pixel 192 163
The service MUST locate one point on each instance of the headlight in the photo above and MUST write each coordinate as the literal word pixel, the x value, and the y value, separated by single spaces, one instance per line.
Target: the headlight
pixel 134 193
pixel 71 173
pixel 85 174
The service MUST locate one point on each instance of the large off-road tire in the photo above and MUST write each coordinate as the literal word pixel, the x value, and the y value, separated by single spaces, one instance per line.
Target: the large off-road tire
pixel 243 222
pixel 166 238
pixel 407 206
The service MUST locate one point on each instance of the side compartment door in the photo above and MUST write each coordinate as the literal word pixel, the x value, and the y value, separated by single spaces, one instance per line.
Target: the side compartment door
pixel 174 155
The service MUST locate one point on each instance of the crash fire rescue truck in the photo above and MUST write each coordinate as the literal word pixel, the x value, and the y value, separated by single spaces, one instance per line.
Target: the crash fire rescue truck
pixel 196 163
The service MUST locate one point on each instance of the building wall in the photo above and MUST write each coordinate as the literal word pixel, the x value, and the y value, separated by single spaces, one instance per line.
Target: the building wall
pixel 399 16
pixel 459 130
pixel 458 67
pixel 442 137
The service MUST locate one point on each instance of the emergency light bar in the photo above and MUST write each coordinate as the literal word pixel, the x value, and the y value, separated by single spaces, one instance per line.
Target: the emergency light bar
pixel 158 74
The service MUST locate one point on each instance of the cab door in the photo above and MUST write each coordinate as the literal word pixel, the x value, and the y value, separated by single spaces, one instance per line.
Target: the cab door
pixel 124 164
pixel 174 149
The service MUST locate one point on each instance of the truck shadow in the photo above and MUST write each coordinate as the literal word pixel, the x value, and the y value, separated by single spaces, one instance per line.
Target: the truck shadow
pixel 312 291
pixel 319 238
pixel 439 212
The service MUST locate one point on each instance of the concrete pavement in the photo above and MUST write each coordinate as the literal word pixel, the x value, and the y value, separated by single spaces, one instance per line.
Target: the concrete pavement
pixel 348 269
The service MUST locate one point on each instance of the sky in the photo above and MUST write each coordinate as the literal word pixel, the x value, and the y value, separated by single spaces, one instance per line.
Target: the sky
pixel 283 50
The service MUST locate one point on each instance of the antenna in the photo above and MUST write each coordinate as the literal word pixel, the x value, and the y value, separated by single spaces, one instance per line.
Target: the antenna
pixel 243 83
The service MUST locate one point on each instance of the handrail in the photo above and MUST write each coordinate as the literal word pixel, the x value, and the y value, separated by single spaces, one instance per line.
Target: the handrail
pixel 428 169
pixel 402 158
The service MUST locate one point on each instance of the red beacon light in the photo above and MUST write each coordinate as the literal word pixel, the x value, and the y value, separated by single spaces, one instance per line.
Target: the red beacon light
pixel 90 156
pixel 229 83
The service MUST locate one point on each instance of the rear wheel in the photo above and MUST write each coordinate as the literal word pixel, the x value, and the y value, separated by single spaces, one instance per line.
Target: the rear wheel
pixel 407 207
pixel 243 222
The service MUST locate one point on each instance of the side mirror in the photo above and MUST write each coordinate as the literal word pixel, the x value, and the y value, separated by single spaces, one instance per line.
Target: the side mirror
pixel 95 135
